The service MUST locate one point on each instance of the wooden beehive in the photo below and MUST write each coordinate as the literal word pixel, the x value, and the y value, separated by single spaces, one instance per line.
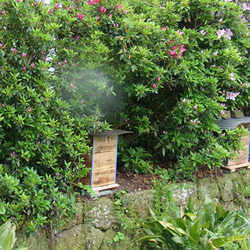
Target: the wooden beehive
pixel 242 159
pixel 102 161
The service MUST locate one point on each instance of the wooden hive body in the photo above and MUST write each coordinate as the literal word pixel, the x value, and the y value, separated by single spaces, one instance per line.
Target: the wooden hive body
pixel 102 161
pixel 242 159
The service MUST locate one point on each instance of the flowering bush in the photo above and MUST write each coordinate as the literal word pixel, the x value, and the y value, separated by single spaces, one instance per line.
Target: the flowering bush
pixel 175 66
pixel 181 64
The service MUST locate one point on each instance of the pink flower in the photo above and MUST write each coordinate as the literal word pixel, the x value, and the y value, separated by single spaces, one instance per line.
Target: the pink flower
pixel 78 37
pixel 80 16
pixel 72 85
pixel 228 34
pixel 23 54
pixel 28 110
pixel 92 2
pixel 203 32
pixel 1 46
pixel 3 12
pixel 12 155
pixel 246 6
pixel 18 0
pixel 3 105
pixel 2 67
pixel 82 101
pixel 110 15
pixel 195 106
pixel 98 18
pixel 51 10
pixel 59 64
pixel 24 69
pixel 70 35
pixel 215 53
pixel 223 134
pixel 232 95
pixel 73 65
pixel 32 65
pixel 180 33
pixel 102 9
pixel 57 174
pixel 220 33
pixel 43 52
pixel 154 85
pixel 158 78
pixel 231 77
pixel 38 143
pixel 202 89
pixel 14 51
pixel 182 48
pixel 115 25
pixel 101 73
pixel 56 5
pixel 65 61
pixel 173 53
pixel 163 28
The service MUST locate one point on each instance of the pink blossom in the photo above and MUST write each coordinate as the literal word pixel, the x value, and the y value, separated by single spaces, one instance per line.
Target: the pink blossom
pixel 215 53
pixel 228 34
pixel 43 53
pixel 110 15
pixel 101 73
pixel 82 101
pixel 182 48
pixel 202 89
pixel 78 37
pixel 223 134
pixel 65 61
pixel 203 32
pixel 92 2
pixel 180 33
pixel 56 5
pixel 158 78
pixel 232 95
pixel 24 69
pixel 163 28
pixel 18 0
pixel 73 65
pixel 32 65
pixel 98 18
pixel 51 10
pixel 23 54
pixel 154 85
pixel 171 41
pixel 220 33
pixel 57 174
pixel 2 67
pixel 14 51
pixel 184 101
pixel 38 143
pixel 102 9
pixel 80 16
pixel 173 53
pixel 246 6
pixel 3 12
pixel 195 106
pixel 115 25
pixel 12 155
pixel 59 64
pixel 70 35
pixel 3 105
pixel 1 46
pixel 28 110
pixel 231 77
pixel 72 85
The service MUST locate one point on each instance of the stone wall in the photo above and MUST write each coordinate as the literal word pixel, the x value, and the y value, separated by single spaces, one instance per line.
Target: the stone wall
pixel 102 225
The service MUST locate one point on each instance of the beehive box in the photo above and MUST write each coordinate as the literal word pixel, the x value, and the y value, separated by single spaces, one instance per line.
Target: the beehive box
pixel 242 159
pixel 102 161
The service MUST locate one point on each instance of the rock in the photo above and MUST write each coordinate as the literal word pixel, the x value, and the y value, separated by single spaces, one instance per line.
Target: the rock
pixel 207 187
pixel 226 187
pixel 226 115
pixel 183 192
pixel 101 213
pixel 237 113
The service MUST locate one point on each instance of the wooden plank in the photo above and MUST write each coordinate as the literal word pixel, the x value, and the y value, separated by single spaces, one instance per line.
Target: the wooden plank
pixel 243 154
pixel 105 187
pixel 105 144
pixel 105 177
pixel 104 160
pixel 233 168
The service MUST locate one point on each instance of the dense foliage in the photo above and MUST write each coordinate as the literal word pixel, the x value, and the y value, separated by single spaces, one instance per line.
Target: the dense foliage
pixel 206 228
pixel 167 70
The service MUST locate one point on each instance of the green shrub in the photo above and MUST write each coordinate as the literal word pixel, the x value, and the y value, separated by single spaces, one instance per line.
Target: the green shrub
pixel 201 229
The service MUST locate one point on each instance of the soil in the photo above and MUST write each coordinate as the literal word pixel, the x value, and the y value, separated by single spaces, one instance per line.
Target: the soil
pixel 132 182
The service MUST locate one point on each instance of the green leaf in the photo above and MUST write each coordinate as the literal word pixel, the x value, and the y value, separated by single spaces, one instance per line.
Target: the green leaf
pixel 222 241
